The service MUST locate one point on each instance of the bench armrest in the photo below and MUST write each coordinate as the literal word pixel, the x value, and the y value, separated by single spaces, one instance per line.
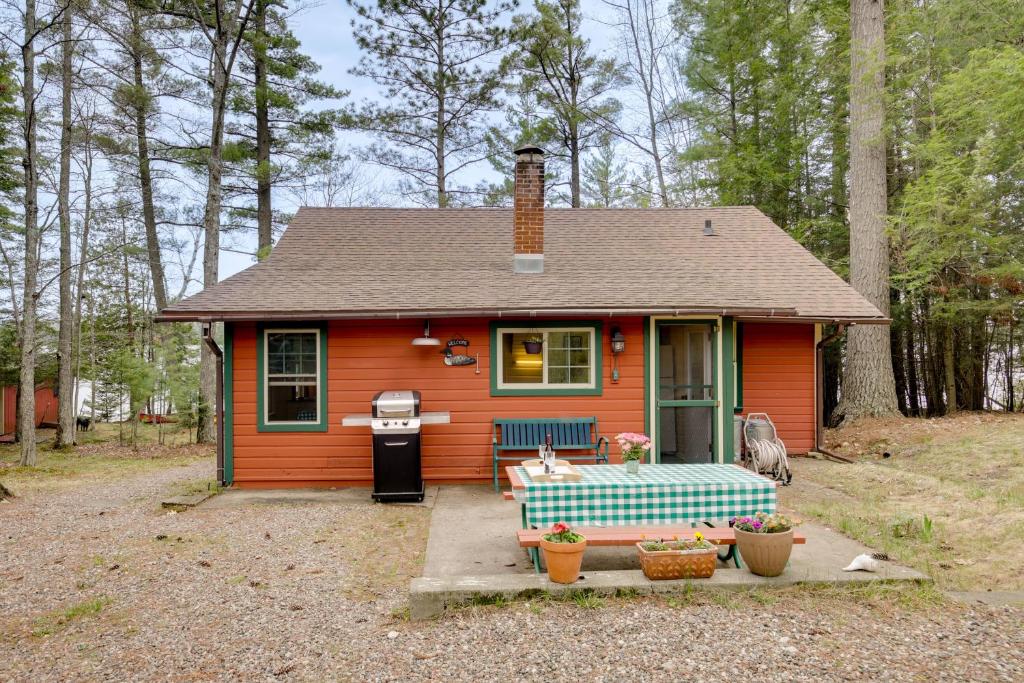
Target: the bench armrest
pixel 602 440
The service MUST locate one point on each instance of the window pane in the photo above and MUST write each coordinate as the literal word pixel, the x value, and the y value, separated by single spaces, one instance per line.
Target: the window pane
pixel 275 364
pixel 558 340
pixel 558 375
pixel 557 356
pixel 307 365
pixel 579 375
pixel 291 403
pixel 518 366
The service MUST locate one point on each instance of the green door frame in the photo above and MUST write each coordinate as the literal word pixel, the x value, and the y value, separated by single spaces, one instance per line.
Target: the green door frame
pixel 722 389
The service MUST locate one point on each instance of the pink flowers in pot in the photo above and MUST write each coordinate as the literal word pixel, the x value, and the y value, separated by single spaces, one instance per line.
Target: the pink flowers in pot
pixel 633 445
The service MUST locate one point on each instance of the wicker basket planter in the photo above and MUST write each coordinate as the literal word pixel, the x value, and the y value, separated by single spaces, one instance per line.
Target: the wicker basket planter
pixel 659 565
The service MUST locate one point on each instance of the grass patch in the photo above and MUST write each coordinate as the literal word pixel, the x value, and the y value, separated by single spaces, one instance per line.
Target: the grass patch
pixel 585 598
pixel 55 621
pixel 496 600
pixel 948 502
pixel 98 456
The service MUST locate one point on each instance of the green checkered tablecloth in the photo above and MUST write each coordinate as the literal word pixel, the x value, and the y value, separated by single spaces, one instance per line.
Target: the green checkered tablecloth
pixel 659 494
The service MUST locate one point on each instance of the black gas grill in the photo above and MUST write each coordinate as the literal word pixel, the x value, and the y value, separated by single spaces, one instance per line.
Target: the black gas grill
pixel 396 425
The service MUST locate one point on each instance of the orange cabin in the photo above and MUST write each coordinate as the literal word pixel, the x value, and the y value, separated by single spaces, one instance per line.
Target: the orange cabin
pixel 716 312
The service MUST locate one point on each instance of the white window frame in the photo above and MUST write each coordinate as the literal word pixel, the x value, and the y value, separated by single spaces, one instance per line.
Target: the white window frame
pixel 500 360
pixel 266 375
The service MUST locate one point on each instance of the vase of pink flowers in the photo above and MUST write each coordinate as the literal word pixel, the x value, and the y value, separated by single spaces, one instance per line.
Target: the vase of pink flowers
pixel 634 447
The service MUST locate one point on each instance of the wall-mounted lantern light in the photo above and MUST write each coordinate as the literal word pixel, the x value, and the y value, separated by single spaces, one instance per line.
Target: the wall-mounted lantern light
pixel 618 342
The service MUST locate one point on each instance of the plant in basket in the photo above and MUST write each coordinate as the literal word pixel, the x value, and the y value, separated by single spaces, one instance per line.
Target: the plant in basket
pixel 689 558
pixel 533 344
pixel 563 553
pixel 764 541
pixel 634 446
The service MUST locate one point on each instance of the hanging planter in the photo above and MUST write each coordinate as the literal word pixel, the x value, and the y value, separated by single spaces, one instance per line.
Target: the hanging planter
pixel 534 344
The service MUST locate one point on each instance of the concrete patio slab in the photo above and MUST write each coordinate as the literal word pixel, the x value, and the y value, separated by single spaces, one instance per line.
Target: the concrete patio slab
pixel 472 552
pixel 233 498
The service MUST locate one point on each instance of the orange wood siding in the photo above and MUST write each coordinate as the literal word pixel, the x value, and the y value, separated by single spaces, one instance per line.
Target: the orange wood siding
pixel 364 357
pixel 778 379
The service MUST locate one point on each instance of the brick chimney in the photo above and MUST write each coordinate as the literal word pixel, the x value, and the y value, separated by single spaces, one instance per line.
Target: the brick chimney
pixel 528 215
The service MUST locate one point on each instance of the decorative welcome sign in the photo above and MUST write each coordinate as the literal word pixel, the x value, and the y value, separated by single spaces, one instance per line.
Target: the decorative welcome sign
pixel 455 352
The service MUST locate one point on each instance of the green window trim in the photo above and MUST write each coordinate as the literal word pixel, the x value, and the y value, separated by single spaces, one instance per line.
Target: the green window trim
pixel 320 425
pixel 738 363
pixel 598 347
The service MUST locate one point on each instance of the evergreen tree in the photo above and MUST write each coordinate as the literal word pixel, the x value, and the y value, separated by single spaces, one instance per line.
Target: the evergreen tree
pixel 571 85
pixel 434 62
pixel 274 132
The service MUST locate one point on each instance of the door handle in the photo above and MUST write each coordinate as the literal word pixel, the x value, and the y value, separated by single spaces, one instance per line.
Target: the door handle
pixel 396 443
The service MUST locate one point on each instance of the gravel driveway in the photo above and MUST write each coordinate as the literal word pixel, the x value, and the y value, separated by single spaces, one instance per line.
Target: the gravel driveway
pixel 98 583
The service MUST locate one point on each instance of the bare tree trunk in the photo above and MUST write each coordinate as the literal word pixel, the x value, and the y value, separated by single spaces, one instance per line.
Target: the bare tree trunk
pixel 27 377
pixel 206 431
pixel 574 163
pixel 141 106
pixel 869 388
pixel 83 252
pixel 264 211
pixel 65 435
pixel 913 390
pixel 440 133
pixel 949 367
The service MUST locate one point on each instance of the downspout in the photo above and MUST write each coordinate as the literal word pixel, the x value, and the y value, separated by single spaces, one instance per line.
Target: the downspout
pixel 819 379
pixel 211 343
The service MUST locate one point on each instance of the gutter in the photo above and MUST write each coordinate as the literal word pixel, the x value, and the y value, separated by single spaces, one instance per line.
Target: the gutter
pixel 211 343
pixel 819 380
pixel 777 314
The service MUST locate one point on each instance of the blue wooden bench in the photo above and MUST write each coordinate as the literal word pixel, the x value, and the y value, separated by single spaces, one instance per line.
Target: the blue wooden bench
pixel 567 434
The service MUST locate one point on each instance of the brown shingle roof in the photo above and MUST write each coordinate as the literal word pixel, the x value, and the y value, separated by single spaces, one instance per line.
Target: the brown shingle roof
pixel 354 262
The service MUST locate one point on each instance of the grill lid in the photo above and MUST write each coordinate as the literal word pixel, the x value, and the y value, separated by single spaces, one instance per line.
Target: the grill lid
pixel 396 404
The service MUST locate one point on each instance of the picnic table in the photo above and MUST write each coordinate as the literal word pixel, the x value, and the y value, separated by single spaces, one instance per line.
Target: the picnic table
pixel 660 495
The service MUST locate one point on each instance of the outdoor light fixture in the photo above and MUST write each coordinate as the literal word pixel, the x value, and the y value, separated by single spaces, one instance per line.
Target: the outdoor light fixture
pixel 618 342
pixel 426 339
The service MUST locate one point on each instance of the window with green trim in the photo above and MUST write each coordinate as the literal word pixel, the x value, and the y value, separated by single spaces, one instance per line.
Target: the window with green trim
pixel 292 379
pixel 563 359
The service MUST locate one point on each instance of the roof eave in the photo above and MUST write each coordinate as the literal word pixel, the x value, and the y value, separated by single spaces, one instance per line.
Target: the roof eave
pixel 742 313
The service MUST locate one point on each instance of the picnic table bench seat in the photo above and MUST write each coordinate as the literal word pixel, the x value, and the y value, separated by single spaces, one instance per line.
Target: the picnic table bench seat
pixel 528 434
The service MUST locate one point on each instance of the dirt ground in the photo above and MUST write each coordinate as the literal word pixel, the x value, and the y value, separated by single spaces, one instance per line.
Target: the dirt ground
pixel 97 582
pixel 948 500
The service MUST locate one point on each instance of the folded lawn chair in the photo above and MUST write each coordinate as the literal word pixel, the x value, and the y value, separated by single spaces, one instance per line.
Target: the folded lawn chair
pixel 765 453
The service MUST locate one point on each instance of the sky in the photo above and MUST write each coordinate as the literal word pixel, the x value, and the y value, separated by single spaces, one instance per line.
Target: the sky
pixel 325 32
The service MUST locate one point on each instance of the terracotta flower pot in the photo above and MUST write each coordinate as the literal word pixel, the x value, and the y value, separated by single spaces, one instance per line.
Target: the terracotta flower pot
pixel 563 560
pixel 765 554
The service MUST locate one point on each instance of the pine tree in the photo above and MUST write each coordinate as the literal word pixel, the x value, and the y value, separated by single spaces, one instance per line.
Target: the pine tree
pixel 571 85
pixel 274 133
pixel 869 387
pixel 434 64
